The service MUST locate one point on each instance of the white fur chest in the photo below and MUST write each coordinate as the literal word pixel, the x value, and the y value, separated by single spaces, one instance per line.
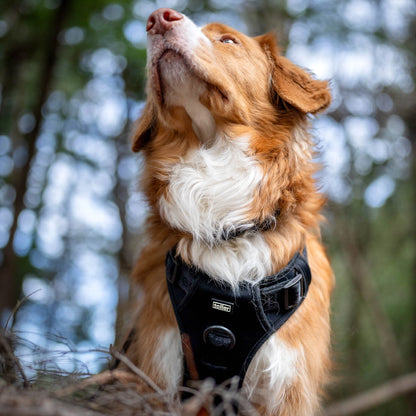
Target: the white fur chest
pixel 210 191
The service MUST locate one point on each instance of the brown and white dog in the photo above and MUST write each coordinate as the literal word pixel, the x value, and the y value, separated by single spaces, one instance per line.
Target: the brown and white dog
pixel 225 140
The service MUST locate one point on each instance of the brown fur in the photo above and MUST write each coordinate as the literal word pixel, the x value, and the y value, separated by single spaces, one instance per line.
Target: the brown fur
pixel 266 101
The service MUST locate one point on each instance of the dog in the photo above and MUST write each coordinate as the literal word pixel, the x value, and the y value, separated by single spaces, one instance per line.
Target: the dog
pixel 229 179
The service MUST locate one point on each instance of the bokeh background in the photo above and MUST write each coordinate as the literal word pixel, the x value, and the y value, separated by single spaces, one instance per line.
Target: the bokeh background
pixel 72 216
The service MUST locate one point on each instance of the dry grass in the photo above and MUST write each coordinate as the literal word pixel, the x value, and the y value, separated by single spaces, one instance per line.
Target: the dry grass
pixel 49 391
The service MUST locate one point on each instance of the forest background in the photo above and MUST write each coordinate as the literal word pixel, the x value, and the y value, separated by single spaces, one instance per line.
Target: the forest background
pixel 72 216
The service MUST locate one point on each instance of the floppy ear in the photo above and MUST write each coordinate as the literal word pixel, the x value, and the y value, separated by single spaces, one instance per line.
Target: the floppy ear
pixel 292 83
pixel 144 129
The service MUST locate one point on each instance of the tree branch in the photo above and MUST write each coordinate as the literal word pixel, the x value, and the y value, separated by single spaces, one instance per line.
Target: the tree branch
pixel 374 397
pixel 32 403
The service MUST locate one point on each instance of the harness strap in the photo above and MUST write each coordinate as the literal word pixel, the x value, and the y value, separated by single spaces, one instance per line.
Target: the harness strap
pixel 222 328
pixel 266 225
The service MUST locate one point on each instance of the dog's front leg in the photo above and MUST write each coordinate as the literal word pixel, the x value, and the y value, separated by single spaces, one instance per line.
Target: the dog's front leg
pixel 156 346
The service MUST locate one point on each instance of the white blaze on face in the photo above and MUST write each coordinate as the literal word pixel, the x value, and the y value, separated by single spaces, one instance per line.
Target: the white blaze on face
pixel 184 37
pixel 171 61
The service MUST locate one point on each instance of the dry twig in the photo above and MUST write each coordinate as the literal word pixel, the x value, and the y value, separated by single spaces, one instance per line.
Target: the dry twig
pixel 9 357
pixel 374 397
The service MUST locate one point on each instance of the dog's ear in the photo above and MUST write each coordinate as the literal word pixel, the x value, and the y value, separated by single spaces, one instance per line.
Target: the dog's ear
pixel 145 128
pixel 292 83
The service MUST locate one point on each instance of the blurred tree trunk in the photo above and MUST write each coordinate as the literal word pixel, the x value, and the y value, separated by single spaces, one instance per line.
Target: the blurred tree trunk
pixel 348 236
pixel 413 269
pixel 409 118
pixel 355 310
pixel 14 83
pixel 10 281
pixel 407 110
pixel 412 134
pixel 124 260
pixel 267 15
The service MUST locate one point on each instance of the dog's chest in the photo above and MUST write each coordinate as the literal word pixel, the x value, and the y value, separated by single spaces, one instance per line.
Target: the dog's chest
pixel 211 189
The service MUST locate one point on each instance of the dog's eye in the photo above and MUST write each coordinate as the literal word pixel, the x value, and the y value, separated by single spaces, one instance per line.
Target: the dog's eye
pixel 228 39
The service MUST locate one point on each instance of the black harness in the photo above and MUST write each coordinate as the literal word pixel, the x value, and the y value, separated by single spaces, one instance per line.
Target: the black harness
pixel 222 328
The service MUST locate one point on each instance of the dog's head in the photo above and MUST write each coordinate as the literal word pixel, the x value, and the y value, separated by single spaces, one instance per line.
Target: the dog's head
pixel 202 78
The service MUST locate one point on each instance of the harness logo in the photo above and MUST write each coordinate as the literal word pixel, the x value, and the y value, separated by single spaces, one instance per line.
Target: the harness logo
pixel 222 306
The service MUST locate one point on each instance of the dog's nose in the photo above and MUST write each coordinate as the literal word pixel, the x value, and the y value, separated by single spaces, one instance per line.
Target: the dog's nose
pixel 162 20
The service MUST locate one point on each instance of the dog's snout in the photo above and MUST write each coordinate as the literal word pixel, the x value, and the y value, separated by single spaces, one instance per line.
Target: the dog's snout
pixel 162 20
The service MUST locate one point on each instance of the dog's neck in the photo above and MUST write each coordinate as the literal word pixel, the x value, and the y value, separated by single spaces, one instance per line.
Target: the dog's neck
pixel 182 89
pixel 203 122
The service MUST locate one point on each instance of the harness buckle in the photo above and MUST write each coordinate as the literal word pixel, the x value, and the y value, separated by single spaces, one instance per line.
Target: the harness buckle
pixel 294 292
